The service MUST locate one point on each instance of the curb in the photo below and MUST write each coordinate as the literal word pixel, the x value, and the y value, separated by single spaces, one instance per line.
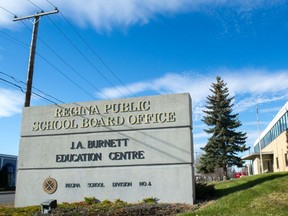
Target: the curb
pixel 7 192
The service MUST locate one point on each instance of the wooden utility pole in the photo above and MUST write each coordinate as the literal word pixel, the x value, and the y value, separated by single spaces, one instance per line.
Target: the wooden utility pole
pixel 32 51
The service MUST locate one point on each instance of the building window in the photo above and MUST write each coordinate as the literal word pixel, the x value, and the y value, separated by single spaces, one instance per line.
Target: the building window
pixel 286 160
pixel 277 163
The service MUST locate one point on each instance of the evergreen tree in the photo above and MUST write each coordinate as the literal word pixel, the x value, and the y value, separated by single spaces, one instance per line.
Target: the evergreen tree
pixel 225 142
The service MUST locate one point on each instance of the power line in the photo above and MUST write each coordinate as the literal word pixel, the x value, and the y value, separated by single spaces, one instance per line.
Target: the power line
pixel 52 65
pixel 12 39
pixel 65 62
pixel 44 98
pixel 35 4
pixel 19 87
pixel 19 81
pixel 80 52
pixel 12 78
pixel 62 73
pixel 84 56
pixel 48 95
pixel 7 10
pixel 92 50
pixel 51 3
pixel 26 46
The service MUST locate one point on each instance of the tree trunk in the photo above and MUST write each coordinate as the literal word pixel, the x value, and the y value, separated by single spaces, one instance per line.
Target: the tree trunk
pixel 225 172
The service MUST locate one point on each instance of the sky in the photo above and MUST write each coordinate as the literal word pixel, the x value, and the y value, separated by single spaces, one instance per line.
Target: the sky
pixel 95 50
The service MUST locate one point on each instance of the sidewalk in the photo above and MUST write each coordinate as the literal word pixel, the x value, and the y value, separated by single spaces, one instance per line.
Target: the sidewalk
pixel 7 192
pixel 7 198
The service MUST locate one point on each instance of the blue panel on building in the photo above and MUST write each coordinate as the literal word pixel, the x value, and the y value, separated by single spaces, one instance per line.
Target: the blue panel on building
pixel 8 167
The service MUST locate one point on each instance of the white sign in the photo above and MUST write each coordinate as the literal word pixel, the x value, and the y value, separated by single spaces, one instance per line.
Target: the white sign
pixel 126 149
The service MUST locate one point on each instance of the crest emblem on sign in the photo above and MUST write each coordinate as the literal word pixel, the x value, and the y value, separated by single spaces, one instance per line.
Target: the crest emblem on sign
pixel 50 185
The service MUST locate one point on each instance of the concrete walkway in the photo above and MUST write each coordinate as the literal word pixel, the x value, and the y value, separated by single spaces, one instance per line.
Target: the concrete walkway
pixel 7 192
pixel 7 198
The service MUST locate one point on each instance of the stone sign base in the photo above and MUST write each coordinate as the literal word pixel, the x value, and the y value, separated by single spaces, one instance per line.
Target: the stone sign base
pixel 131 184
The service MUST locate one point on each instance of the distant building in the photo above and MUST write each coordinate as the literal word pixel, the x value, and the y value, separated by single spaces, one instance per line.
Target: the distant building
pixel 8 165
pixel 274 145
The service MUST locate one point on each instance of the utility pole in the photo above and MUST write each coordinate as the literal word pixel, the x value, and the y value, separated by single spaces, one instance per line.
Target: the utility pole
pixel 32 51
pixel 260 147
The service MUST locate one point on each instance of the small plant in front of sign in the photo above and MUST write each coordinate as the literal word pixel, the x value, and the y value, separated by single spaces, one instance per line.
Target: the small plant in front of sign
pixel 119 202
pixel 106 202
pixel 90 200
pixel 150 200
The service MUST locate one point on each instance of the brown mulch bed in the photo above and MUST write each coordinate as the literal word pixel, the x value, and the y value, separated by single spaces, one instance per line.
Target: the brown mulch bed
pixel 132 210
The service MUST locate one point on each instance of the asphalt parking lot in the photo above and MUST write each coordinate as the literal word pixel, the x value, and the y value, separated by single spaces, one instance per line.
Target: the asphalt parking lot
pixel 7 198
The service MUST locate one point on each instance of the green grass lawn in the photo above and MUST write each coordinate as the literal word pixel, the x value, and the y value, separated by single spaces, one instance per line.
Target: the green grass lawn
pixel 254 195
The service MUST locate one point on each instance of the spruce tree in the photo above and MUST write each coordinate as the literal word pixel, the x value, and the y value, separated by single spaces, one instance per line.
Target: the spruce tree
pixel 224 144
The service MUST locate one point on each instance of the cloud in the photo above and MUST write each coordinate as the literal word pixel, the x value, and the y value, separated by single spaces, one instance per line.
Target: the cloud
pixel 249 86
pixel 254 123
pixel 105 15
pixel 255 80
pixel 260 98
pixel 271 109
pixel 170 83
pixel 11 102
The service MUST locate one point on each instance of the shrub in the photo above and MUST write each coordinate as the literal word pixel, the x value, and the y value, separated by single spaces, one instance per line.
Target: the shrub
pixel 204 190
pixel 106 202
pixel 150 200
pixel 90 200
pixel 119 201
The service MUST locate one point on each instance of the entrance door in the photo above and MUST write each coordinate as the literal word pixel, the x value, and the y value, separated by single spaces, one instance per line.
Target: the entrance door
pixel 7 177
